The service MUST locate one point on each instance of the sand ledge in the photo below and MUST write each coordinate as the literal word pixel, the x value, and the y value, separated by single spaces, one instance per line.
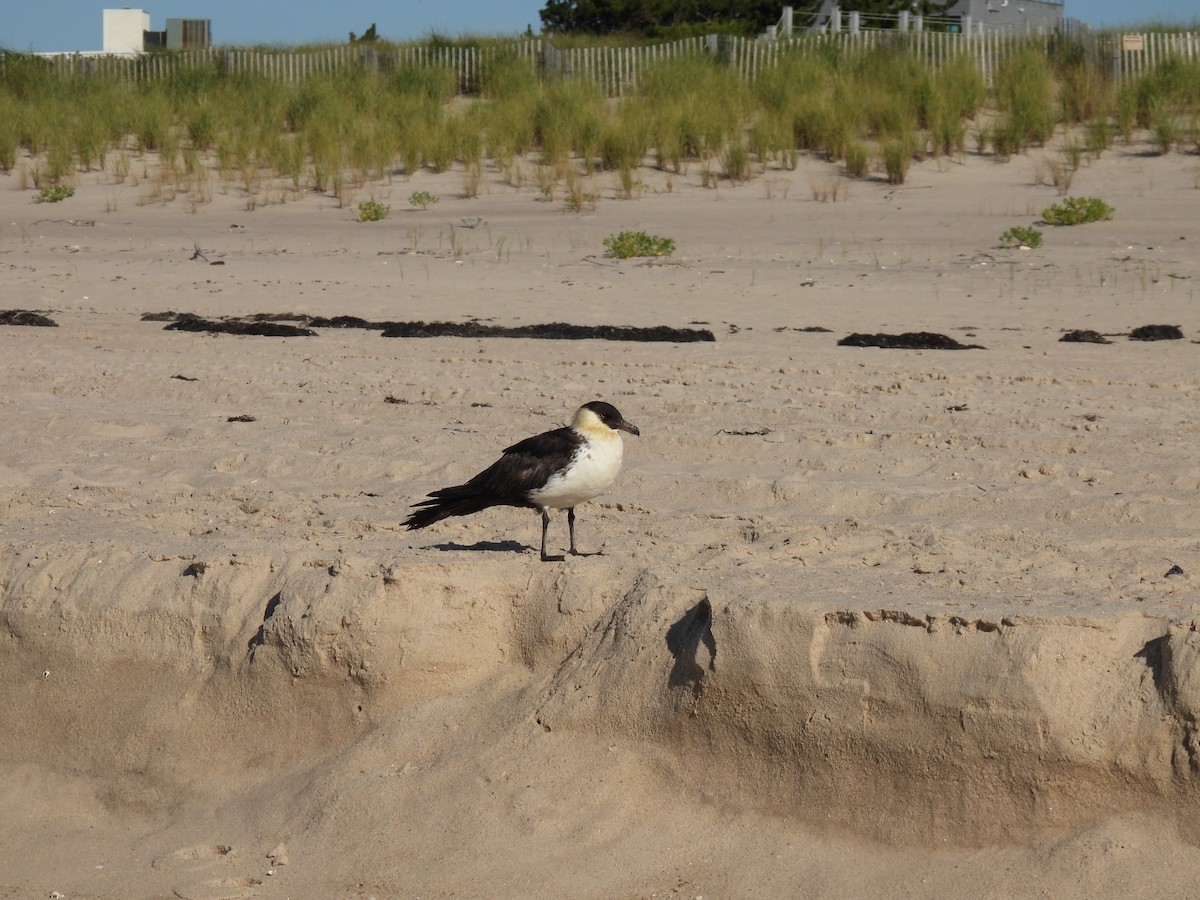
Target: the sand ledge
pixel 887 722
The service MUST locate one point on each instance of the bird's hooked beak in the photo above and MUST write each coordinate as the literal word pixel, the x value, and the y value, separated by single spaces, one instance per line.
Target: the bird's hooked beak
pixel 630 427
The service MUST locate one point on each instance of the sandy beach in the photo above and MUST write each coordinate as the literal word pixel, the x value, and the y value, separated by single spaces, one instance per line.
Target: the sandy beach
pixel 866 622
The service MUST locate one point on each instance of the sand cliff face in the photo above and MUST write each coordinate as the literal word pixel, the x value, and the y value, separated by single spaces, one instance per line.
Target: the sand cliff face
pixel 865 621
pixel 899 725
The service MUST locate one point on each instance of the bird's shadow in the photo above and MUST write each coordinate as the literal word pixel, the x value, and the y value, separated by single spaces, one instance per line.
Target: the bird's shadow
pixel 506 547
pixel 486 547
pixel 684 640
pixel 563 557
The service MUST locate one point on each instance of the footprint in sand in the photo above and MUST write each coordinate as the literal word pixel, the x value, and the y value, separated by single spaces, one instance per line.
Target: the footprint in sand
pixel 194 861
pixel 200 856
pixel 217 889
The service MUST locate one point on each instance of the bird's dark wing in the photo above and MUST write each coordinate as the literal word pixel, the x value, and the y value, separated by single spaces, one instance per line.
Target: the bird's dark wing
pixel 527 465
pixel 561 442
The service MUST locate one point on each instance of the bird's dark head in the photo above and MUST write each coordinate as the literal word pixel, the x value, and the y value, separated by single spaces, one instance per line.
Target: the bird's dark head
pixel 607 414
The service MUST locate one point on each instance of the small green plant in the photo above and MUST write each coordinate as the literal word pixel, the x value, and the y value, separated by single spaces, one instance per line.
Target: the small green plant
pixel 423 199
pixel 1072 152
pixel 949 133
pixel 578 201
pixel 1022 236
pixel 1166 135
pixel 55 194
pixel 736 161
pixel 1099 136
pixel 372 211
pixel 897 156
pixel 1005 140
pixel 1077 211
pixel 858 161
pixel 1062 173
pixel 637 243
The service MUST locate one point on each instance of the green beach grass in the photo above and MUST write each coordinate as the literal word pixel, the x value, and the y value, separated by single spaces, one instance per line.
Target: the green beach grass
pixel 872 111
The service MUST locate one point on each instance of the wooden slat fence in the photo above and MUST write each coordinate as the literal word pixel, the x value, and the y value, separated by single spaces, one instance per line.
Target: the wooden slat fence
pixel 619 69
pixel 295 66
pixel 1156 47
pixel 615 69
pixel 298 66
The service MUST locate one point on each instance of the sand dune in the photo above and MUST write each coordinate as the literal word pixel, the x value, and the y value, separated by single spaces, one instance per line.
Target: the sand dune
pixel 866 621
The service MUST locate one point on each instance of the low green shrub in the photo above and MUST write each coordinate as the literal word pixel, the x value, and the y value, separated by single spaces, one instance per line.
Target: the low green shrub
pixel 55 194
pixel 372 211
pixel 1077 211
pixel 637 243
pixel 1022 236
pixel 578 201
pixel 423 199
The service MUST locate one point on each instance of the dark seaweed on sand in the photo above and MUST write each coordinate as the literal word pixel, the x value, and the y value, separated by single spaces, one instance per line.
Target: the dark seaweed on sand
pixel 1156 333
pixel 552 331
pixel 909 340
pixel 26 317
pixel 345 322
pixel 277 317
pixel 1084 337
pixel 188 322
pixel 270 324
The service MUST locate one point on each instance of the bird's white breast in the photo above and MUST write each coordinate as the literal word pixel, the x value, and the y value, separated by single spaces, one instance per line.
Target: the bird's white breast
pixel 592 469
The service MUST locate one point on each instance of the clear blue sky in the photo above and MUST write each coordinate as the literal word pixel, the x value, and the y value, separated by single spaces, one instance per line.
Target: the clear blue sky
pixel 50 25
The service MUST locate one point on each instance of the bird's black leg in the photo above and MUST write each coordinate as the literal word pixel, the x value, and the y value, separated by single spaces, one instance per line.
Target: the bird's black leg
pixel 546 557
pixel 571 528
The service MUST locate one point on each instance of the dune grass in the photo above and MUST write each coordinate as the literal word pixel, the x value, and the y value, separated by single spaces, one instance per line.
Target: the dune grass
pixel 874 112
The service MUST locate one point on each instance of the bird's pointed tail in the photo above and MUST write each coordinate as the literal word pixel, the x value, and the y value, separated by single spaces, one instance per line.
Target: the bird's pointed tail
pixel 444 503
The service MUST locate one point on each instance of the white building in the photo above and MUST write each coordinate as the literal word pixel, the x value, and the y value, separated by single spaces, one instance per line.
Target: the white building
pixel 994 15
pixel 975 16
pixel 125 30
